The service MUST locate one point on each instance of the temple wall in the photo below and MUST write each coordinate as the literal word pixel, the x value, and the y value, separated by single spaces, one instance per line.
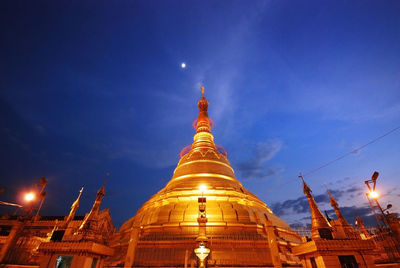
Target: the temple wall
pixel 49 261
pixel 332 261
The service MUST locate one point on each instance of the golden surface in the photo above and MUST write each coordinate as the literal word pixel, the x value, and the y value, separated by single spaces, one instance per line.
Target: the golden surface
pixel 237 219
pixel 318 221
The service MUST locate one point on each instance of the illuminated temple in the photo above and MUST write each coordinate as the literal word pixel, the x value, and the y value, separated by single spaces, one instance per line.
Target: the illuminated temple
pixel 203 217
pixel 241 230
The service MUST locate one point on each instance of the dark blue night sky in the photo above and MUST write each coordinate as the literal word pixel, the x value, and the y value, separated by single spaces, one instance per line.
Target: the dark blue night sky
pixel 95 87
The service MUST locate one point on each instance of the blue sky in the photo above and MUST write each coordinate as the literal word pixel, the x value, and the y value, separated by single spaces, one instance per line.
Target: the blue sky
pixel 96 87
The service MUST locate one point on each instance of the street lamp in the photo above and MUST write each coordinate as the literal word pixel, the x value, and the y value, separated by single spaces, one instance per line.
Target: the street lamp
pixel 30 196
pixel 373 194
pixel 35 196
pixel 374 204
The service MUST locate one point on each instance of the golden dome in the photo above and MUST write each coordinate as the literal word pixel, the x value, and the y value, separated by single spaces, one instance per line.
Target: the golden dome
pixel 238 222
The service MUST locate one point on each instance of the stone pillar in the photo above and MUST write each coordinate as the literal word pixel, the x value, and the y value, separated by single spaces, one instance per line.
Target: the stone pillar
pixel 12 238
pixel 48 260
pixel 81 261
pixel 44 261
pixel 130 255
pixel 186 257
pixel 273 244
pixel 321 261
pixel 100 263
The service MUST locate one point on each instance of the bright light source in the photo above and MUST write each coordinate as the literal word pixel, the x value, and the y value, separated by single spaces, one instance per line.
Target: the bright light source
pixel 183 65
pixel 373 194
pixel 202 252
pixel 30 197
pixel 203 188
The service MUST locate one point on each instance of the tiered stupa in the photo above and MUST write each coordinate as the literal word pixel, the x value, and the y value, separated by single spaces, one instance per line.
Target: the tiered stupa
pixel 241 229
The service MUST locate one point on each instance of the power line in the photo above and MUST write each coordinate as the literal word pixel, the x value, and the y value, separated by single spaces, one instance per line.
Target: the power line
pixel 340 157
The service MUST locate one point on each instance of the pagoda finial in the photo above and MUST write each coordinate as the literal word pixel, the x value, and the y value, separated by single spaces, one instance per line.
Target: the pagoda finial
pixel 331 199
pixel 74 208
pixel 102 189
pixel 203 103
pixel 203 139
pixel 92 215
pixel 203 122
pixel 306 190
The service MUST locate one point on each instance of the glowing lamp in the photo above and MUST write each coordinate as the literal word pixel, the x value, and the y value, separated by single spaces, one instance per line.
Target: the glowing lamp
pixel 30 197
pixel 202 253
pixel 373 194
pixel 203 188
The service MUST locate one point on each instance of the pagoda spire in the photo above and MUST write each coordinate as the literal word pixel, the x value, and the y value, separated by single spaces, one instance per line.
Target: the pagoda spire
pixel 360 223
pixel 203 159
pixel 74 208
pixel 203 139
pixel 335 206
pixel 92 215
pixel 203 121
pixel 320 227
pixel 347 228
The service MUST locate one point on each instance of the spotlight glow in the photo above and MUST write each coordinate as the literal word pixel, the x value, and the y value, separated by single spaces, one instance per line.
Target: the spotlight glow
pixel 29 197
pixel 183 65
pixel 373 194
pixel 203 188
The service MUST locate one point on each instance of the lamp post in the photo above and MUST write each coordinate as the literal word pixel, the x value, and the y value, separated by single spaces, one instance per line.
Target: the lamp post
pixel 390 243
pixel 42 195
pixel 33 197
pixel 202 218
pixel 202 251
pixel 372 197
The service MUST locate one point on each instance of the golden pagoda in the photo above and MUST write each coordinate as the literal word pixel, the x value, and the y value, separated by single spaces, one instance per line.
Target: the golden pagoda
pixel 239 228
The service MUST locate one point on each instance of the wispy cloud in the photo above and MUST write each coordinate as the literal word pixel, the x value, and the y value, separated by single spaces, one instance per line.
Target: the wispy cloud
pixel 297 206
pixel 300 204
pixel 297 210
pixel 350 213
pixel 222 69
pixel 257 167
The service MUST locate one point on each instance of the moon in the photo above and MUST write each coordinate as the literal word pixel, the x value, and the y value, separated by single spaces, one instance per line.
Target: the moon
pixel 183 65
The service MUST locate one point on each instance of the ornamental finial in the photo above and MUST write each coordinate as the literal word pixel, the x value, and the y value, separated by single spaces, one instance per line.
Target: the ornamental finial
pixel 306 189
pixel 202 91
